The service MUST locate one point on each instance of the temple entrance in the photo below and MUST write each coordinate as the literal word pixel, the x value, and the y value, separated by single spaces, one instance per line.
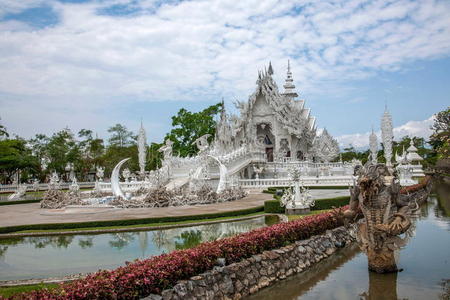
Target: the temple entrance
pixel 265 139
pixel 269 154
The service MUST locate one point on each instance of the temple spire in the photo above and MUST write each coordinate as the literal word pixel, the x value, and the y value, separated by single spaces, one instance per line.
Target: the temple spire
pixel 289 87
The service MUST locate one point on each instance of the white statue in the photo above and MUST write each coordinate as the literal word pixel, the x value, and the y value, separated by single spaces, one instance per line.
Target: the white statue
pixel 126 174
pixel 258 170
pixel 166 149
pixel 36 184
pixel 21 191
pixel 74 188
pixel 54 181
pixel 202 143
pixel 100 173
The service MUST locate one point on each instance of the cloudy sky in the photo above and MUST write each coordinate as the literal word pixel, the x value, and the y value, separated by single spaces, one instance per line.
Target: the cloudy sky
pixel 91 64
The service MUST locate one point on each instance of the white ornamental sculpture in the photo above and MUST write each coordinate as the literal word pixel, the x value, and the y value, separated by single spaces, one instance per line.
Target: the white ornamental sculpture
pixel 54 181
pixel 74 188
pixel 21 191
pixel 387 136
pixel 142 150
pixel 373 144
pixel 126 174
pixel 202 143
pixel 100 173
pixel 297 198
pixel 115 182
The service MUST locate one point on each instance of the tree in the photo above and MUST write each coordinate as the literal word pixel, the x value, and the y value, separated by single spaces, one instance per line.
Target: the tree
pixel 120 136
pixel 189 126
pixel 14 155
pixel 350 153
pixel 91 151
pixel 3 132
pixel 62 149
pixel 440 139
pixel 154 157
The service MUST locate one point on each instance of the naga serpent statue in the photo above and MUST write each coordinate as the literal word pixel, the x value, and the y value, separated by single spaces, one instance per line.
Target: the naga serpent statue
pixel 386 214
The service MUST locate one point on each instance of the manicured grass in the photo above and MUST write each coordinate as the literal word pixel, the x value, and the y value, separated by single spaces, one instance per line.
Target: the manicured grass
pixel 14 290
pixel 130 222
pixel 142 225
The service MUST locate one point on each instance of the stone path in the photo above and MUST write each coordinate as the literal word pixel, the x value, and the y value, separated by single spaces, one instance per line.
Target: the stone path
pixel 25 214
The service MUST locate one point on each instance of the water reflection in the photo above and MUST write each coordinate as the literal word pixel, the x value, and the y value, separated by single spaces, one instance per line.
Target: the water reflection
pixel 48 256
pixel 425 260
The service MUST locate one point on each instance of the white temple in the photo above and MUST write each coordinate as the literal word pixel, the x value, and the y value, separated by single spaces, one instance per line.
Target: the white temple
pixel 273 133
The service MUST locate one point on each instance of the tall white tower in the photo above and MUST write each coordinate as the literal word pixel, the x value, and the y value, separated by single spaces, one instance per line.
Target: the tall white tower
pixel 387 135
pixel 373 144
pixel 142 150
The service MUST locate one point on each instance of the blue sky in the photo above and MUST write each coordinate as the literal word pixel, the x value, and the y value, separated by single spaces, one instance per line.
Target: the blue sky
pixel 91 64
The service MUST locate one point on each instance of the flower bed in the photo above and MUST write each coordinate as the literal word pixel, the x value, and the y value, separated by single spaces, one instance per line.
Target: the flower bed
pixel 143 277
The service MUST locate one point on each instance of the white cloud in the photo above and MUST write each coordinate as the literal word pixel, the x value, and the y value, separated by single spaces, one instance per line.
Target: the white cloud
pixel 411 128
pixel 197 49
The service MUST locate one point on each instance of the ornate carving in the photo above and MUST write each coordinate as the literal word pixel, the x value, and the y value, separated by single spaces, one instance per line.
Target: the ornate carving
pixel 386 215
pixel 325 147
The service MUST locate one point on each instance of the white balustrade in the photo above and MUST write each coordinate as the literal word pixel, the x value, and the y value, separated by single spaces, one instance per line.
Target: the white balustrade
pixel 306 181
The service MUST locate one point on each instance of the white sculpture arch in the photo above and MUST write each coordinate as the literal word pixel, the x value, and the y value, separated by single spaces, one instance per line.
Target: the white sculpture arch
pixel 223 175
pixel 115 183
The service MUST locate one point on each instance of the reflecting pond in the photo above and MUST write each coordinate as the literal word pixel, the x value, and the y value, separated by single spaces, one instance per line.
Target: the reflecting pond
pixel 60 255
pixel 425 260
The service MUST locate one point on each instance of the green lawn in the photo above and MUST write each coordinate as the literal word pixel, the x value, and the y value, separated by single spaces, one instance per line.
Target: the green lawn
pixel 14 290
pixel 187 222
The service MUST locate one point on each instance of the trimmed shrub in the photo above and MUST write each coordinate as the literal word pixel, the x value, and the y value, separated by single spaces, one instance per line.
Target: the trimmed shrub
pixel 330 203
pixel 143 277
pixel 273 206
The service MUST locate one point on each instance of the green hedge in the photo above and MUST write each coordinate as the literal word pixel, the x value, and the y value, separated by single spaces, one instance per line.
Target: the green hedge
pixel 330 202
pixel 273 206
pixel 56 226
pixel 19 202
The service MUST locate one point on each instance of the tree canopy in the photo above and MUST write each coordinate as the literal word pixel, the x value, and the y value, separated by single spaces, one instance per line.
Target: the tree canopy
pixel 189 126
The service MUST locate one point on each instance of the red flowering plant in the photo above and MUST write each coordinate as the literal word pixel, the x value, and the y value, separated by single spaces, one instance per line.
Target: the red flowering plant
pixel 143 277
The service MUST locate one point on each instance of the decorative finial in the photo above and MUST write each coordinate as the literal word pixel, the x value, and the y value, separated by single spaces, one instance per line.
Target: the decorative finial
pixel 289 87
pixel 270 71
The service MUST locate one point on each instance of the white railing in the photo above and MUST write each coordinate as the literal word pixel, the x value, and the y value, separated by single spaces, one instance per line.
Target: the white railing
pixel 307 181
pixel 131 186
pixel 12 188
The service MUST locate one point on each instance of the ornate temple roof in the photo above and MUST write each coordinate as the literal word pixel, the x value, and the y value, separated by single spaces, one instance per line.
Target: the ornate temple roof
pixel 291 113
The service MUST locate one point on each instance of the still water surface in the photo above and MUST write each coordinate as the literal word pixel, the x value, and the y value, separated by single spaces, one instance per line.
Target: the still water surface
pixel 425 260
pixel 55 256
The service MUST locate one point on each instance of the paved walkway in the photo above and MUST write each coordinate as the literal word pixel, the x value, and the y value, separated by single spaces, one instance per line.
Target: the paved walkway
pixel 25 214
